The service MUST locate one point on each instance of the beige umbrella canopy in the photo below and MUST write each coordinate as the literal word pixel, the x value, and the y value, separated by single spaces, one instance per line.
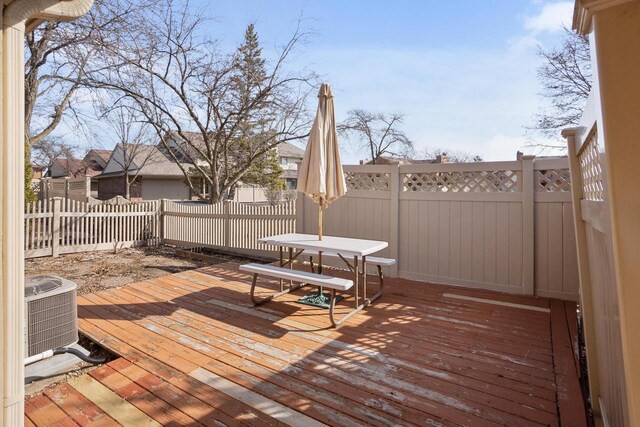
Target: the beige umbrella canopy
pixel 320 176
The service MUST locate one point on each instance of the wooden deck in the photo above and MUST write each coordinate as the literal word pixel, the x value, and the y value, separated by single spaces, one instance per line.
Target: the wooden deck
pixel 194 352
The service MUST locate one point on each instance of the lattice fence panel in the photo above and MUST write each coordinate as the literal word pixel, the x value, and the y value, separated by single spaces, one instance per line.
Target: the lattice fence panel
pixel 371 181
pixel 77 185
pixel 553 180
pixel 591 170
pixel 463 182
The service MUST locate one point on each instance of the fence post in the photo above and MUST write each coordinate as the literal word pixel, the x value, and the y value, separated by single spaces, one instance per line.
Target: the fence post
pixel 87 187
pixel 300 212
pixel 528 231
pixel 584 274
pixel 161 219
pixel 66 187
pixel 55 238
pixel 394 214
pixel 227 224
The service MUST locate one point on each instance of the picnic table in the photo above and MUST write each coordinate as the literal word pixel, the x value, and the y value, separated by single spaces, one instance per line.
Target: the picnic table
pixel 353 252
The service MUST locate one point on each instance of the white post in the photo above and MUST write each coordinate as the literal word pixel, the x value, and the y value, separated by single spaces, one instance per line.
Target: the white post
pixel 394 210
pixel 528 232
pixel 87 186
pixel 163 208
pixel 586 302
pixel 227 224
pixel 300 212
pixel 55 239
pixel 13 224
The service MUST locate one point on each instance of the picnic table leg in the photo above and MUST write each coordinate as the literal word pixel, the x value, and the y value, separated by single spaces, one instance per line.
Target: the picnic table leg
pixel 320 290
pixel 366 301
pixel 261 301
pixel 381 288
pixel 364 278
pixel 290 265
pixel 355 279
pixel 281 264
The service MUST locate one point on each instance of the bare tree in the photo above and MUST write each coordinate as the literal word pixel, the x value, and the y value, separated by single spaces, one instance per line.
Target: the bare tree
pixel 45 151
pixel 377 132
pixel 58 56
pixel 134 149
pixel 566 79
pixel 183 86
pixel 453 156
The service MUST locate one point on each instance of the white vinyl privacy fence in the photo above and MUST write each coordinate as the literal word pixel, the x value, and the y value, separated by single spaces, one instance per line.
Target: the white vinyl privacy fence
pixel 506 226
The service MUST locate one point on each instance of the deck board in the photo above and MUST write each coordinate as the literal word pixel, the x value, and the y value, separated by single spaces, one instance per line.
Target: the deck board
pixel 192 349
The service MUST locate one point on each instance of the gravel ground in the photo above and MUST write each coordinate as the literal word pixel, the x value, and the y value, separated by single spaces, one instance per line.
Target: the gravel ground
pixel 94 271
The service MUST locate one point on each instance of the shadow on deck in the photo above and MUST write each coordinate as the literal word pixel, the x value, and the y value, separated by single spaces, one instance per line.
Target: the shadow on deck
pixel 194 351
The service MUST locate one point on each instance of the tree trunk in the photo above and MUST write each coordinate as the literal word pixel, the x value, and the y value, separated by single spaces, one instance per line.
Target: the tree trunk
pixel 127 188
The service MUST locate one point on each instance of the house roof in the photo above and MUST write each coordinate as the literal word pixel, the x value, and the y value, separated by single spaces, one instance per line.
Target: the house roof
pixel 71 167
pixel 289 150
pixel 150 160
pixel 103 154
pixel 291 174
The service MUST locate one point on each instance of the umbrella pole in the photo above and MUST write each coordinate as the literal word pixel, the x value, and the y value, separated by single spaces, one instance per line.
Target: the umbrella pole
pixel 320 209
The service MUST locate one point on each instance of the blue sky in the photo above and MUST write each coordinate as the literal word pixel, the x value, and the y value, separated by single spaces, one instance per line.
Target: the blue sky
pixel 463 72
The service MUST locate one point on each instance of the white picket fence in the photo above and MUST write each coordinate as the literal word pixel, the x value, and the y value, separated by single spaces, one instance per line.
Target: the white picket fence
pixel 60 226
pixel 227 226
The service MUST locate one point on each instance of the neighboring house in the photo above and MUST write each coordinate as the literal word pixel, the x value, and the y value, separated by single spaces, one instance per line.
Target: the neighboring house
pixel 289 157
pixel 64 167
pixel 92 164
pixel 158 175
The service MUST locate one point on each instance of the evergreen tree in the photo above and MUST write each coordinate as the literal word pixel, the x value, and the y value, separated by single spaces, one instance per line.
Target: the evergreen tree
pixel 254 131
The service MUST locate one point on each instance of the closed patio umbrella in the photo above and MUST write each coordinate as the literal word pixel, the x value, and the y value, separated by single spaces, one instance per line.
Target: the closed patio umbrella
pixel 320 176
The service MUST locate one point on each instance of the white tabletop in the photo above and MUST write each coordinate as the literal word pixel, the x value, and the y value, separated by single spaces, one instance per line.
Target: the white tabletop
pixel 341 245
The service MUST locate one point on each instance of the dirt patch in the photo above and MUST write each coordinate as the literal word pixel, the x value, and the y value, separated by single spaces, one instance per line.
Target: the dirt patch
pixel 94 271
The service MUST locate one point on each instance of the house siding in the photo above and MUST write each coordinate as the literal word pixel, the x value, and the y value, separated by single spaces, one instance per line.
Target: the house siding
pixel 114 186
pixel 165 188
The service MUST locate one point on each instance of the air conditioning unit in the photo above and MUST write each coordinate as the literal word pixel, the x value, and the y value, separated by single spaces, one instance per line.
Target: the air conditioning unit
pixel 51 314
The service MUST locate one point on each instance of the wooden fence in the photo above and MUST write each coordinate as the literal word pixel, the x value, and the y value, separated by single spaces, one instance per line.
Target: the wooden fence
pixel 504 226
